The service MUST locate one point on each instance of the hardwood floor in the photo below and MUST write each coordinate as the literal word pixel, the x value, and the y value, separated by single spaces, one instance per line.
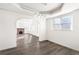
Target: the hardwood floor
pixel 34 47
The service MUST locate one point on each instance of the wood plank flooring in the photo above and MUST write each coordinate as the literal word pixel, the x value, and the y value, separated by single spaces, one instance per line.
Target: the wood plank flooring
pixel 34 47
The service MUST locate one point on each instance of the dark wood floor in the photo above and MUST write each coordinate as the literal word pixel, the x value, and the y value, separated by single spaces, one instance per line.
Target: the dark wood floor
pixel 34 47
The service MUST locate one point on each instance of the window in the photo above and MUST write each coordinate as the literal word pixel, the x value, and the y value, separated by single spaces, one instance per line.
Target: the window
pixel 57 24
pixel 63 23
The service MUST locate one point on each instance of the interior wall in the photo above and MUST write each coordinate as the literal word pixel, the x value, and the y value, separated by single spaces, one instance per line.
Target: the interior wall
pixel 7 30
pixel 65 38
pixel 42 28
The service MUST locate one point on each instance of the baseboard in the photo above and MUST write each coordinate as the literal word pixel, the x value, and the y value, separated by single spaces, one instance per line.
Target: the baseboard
pixel 44 41
pixel 63 46
pixel 7 49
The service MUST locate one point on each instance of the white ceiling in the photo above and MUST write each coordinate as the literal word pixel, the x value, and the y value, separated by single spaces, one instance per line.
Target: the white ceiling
pixel 39 6
pixel 31 7
pixel 36 8
pixel 13 7
pixel 67 8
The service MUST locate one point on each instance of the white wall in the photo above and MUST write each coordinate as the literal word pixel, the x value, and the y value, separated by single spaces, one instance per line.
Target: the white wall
pixel 7 30
pixel 66 38
pixel 42 28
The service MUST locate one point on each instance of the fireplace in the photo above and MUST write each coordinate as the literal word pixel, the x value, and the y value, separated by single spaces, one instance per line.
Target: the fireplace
pixel 20 31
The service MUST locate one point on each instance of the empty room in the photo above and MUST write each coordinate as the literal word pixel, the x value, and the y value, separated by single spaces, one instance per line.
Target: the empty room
pixel 39 28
